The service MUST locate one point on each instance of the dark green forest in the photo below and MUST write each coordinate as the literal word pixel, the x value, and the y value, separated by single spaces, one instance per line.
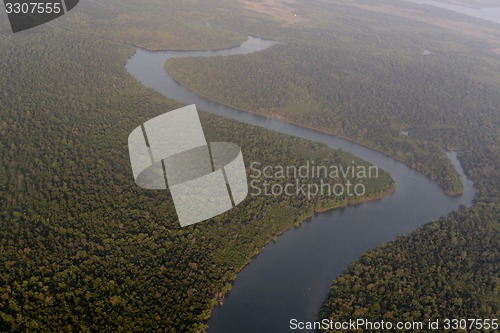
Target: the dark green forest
pixel 364 76
pixel 367 78
pixel 83 249
pixel 447 269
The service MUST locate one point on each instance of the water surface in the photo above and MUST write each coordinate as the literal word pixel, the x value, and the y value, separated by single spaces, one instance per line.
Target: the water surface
pixel 291 277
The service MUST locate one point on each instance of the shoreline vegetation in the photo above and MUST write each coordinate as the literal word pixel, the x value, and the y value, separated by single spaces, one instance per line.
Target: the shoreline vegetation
pixel 321 205
pixel 448 189
pixel 77 236
pixel 476 228
pixel 477 159
pixel 304 218
pixel 287 120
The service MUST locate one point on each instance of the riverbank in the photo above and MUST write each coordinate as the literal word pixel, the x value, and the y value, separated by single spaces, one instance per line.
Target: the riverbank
pixel 279 281
pixel 219 296
pixel 286 120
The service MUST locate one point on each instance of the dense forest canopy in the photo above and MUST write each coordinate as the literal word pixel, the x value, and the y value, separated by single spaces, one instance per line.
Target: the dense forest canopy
pixel 413 91
pixel 83 249
pixel 358 76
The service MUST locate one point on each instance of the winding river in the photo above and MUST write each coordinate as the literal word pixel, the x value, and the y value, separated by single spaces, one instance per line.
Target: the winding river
pixel 291 277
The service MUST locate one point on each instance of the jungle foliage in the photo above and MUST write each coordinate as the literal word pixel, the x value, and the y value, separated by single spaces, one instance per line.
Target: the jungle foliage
pixel 82 248
pixel 367 76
